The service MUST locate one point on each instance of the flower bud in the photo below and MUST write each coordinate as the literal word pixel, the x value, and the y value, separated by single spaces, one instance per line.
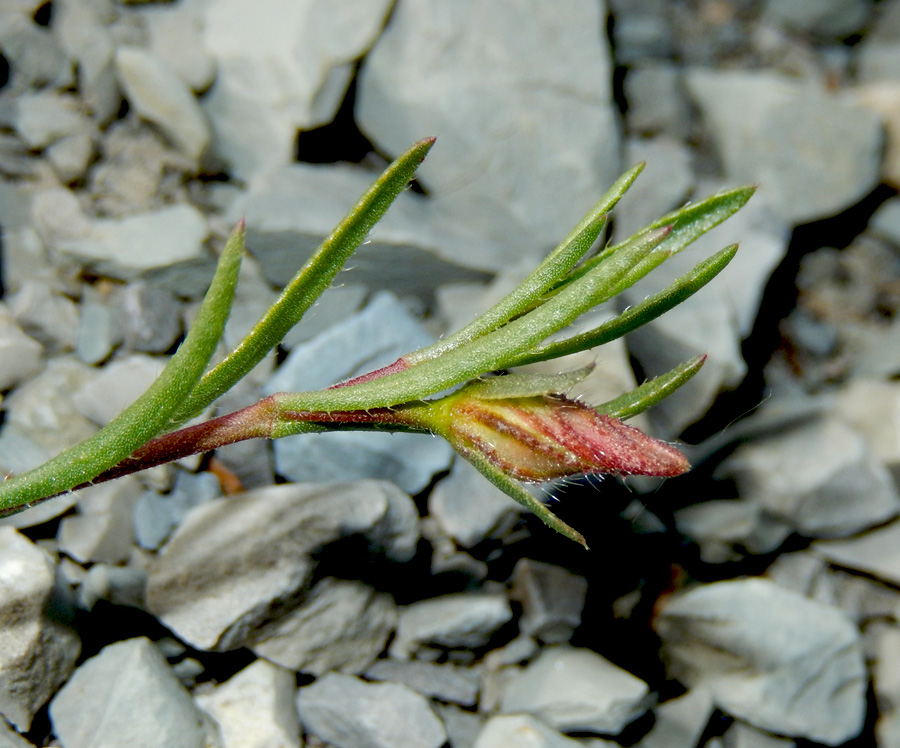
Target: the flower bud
pixel 542 437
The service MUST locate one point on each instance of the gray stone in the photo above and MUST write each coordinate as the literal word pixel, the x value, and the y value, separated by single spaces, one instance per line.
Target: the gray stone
pixel 576 690
pixel 351 713
pixel 551 597
pixel 341 625
pixel 9 738
pixel 116 386
pixel 877 552
pixel 234 561
pixel 656 101
pixel 150 317
pixel 290 211
pixel 139 172
pixel 449 621
pixel 726 529
pixel 885 221
pixel 35 58
pixel 103 530
pixel 468 508
pixel 45 117
pixel 255 708
pixel 664 185
pixel 47 316
pixel 20 355
pixel 462 726
pixel 24 255
pixel 255 115
pixel 41 421
pixel 175 36
pixel 680 722
pixel 742 735
pixel 819 478
pixel 127 248
pixel 126 695
pixel 507 190
pixel 446 557
pixel 120 585
pixel 28 635
pixel 337 303
pixel 808 681
pixel 98 331
pixel 887 729
pixel 156 515
pixel 157 94
pixel 813 154
pixel 71 155
pixel 397 533
pixel 828 19
pixel 445 682
pixel 522 731
pixel 409 460
pixel 82 30
pixel 885 653
pixel 642 31
pixel 878 55
pixel 883 98
pixel 872 408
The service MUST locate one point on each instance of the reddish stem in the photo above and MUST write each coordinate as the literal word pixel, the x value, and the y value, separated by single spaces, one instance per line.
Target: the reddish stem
pixel 248 423
pixel 398 365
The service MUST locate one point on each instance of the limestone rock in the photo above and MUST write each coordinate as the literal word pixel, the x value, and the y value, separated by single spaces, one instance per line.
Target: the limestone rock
pixel 808 681
pixel 341 625
pixel 814 154
pixel 450 621
pixel 819 478
pixel 312 44
pixel 127 695
pixel 156 92
pixel 255 708
pixel 351 713
pixel 27 634
pixel 234 561
pixel 576 689
pixel 504 187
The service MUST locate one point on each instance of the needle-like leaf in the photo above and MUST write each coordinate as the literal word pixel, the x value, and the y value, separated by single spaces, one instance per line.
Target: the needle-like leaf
pixel 149 414
pixel 309 283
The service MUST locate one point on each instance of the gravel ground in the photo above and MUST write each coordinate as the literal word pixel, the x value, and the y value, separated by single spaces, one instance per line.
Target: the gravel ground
pixel 366 590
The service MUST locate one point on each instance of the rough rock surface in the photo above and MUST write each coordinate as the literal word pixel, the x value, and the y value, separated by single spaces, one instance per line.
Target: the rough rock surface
pixel 215 594
pixel 28 634
pixel 255 708
pixel 351 713
pixel 341 625
pixel 127 695
pixel 761 651
pixel 575 689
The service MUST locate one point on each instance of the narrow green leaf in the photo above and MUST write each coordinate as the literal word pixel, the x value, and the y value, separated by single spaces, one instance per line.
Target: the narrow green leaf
pixel 688 224
pixel 527 385
pixel 148 415
pixel 559 262
pixel 309 283
pixel 487 353
pixel 638 315
pixel 651 392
